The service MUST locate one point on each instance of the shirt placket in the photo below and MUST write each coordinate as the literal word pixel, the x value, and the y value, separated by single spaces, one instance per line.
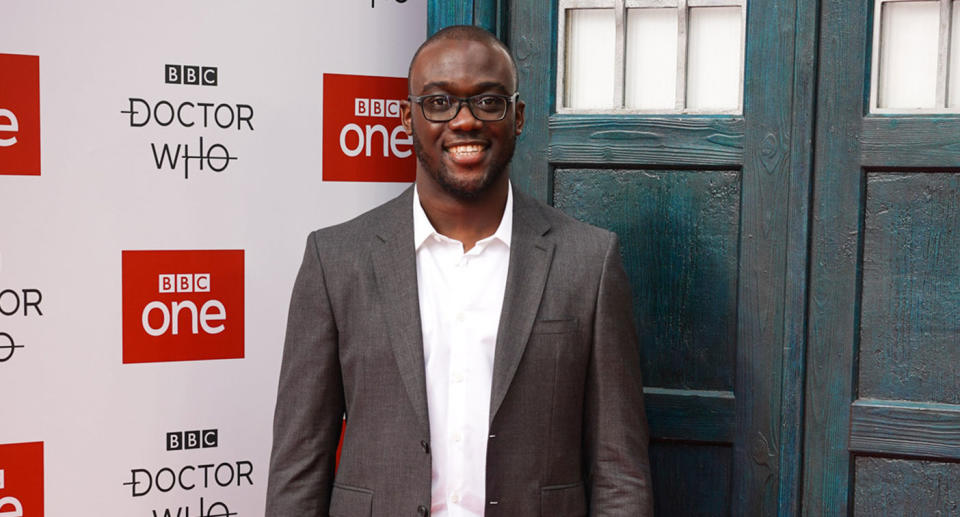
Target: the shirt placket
pixel 458 395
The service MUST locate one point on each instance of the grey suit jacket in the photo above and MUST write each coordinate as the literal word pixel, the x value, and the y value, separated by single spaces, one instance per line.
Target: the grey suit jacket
pixel 568 433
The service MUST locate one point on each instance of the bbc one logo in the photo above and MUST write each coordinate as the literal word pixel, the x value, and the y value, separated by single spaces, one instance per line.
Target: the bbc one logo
pixel 363 139
pixel 21 479
pixel 19 115
pixel 182 305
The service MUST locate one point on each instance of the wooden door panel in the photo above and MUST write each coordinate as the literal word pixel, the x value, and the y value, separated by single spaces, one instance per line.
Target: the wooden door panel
pixel 911 287
pixel 691 479
pixel 890 486
pixel 679 233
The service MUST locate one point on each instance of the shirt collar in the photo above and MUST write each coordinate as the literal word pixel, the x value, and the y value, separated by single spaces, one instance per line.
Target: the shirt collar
pixel 423 229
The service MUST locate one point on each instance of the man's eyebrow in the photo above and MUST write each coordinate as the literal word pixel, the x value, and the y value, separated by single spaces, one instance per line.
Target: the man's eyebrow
pixel 444 85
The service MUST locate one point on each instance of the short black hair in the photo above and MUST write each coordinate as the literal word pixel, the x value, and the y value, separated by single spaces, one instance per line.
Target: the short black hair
pixel 466 33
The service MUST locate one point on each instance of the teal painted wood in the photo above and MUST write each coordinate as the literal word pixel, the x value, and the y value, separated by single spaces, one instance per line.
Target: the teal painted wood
pixel 835 251
pixel 911 288
pixel 691 415
pixel 768 97
pixel 693 480
pixel 645 140
pixel 905 429
pixel 798 237
pixel 531 35
pixel 886 486
pixel 930 141
pixel 443 13
pixel 491 15
pixel 679 233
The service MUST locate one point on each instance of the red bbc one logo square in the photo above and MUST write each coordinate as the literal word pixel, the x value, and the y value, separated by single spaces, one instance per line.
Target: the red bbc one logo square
pixel 19 115
pixel 363 139
pixel 21 479
pixel 182 305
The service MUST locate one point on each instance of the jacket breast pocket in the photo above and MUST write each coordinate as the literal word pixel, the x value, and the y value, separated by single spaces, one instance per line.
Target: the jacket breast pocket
pixel 563 501
pixel 348 501
pixel 555 326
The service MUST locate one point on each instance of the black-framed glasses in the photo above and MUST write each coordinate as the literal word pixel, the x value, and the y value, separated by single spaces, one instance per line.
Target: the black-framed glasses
pixel 488 107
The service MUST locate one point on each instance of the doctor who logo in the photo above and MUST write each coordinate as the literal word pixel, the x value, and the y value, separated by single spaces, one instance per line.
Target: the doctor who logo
pixel 16 303
pixel 182 305
pixel 21 479
pixel 189 489
pixel 363 139
pixel 19 115
pixel 202 154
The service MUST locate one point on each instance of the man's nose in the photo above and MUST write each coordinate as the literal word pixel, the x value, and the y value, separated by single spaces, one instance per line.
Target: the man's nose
pixel 464 119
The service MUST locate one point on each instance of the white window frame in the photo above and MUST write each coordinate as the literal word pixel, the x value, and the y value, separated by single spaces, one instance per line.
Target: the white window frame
pixel 620 13
pixel 943 62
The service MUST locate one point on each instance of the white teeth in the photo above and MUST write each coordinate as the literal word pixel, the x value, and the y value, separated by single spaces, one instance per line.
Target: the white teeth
pixel 464 149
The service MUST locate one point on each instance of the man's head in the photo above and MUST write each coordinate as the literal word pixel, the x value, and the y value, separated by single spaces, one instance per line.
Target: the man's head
pixel 465 155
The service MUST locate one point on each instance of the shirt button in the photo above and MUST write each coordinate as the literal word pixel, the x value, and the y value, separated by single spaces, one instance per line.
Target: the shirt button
pixel 457 377
pixel 457 436
pixel 455 498
pixel 460 317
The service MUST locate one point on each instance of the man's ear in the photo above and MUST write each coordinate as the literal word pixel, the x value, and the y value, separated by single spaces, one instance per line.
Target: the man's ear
pixel 406 116
pixel 519 117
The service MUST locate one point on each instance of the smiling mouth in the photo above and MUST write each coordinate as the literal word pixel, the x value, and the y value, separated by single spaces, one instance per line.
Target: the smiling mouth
pixel 464 150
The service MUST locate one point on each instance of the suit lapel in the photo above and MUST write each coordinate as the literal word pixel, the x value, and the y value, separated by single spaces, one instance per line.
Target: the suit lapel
pixel 530 256
pixel 395 265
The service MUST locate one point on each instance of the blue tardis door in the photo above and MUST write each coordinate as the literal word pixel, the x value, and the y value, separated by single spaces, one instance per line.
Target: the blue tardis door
pixel 794 259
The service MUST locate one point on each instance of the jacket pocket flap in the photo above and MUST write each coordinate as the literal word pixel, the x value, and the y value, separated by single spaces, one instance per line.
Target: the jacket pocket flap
pixel 555 326
pixel 347 501
pixel 563 501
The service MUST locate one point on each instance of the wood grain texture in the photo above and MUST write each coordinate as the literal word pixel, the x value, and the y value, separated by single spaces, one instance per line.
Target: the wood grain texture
pixel 798 238
pixel 443 13
pixel 905 429
pixel 898 141
pixel 835 231
pixel 531 37
pixel 887 486
pixel 491 15
pixel 679 232
pixel 691 480
pixel 910 329
pixel 763 255
pixel 690 415
pixel 647 141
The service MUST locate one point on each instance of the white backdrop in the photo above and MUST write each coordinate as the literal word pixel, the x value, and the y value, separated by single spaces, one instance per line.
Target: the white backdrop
pixel 99 193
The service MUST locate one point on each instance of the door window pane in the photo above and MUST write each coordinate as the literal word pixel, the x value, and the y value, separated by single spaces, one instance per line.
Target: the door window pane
pixel 909 36
pixel 591 48
pixel 651 60
pixel 953 95
pixel 713 58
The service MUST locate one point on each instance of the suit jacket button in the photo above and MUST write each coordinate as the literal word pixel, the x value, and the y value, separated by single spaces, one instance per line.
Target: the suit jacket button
pixel 425 445
pixel 422 510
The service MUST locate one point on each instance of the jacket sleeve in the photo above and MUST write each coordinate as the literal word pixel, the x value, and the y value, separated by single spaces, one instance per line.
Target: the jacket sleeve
pixel 615 424
pixel 310 404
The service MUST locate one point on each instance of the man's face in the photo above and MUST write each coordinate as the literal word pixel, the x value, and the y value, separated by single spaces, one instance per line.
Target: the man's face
pixel 463 156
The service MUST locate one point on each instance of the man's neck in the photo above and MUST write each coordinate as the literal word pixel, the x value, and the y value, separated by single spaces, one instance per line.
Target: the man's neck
pixel 467 221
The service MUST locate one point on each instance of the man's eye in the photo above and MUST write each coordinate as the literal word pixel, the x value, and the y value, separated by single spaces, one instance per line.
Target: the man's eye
pixel 438 102
pixel 488 102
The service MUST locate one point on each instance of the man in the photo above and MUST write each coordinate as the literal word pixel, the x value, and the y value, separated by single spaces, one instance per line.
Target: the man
pixel 479 342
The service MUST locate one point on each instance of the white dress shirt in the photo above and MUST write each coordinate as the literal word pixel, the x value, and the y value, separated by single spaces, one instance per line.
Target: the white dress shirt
pixel 461 295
